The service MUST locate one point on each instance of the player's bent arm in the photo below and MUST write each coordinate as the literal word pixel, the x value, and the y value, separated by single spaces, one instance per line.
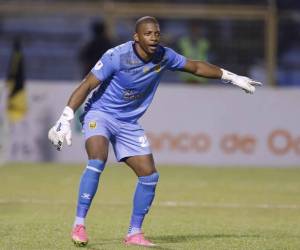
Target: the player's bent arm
pixel 79 95
pixel 62 130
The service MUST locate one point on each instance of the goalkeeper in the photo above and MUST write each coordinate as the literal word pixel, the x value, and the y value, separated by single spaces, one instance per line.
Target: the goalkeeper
pixel 124 81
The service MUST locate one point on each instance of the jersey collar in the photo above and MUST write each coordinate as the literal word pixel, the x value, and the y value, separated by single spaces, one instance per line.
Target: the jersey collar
pixel 156 58
pixel 137 54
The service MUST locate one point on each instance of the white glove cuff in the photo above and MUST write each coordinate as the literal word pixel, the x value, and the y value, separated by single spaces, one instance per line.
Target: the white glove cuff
pixel 67 114
pixel 227 76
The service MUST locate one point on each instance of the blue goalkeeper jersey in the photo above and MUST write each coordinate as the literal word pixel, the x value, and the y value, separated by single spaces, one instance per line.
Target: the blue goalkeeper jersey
pixel 128 83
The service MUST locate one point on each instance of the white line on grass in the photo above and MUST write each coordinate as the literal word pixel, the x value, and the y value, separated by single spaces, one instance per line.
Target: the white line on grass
pixel 159 204
pixel 226 205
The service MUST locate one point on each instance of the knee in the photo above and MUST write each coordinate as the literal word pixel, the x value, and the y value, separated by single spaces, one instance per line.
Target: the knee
pixel 146 171
pixel 97 156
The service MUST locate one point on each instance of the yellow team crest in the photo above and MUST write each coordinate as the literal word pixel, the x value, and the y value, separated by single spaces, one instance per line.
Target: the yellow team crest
pixel 92 125
pixel 157 68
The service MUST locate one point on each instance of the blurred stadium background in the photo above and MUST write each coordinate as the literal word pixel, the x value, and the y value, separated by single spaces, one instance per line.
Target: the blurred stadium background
pixel 191 123
pixel 243 35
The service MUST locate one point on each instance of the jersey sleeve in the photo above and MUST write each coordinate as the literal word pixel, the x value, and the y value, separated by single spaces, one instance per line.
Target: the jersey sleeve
pixel 175 60
pixel 106 66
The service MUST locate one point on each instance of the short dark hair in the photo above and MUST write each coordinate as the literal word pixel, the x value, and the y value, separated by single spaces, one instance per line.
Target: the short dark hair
pixel 145 19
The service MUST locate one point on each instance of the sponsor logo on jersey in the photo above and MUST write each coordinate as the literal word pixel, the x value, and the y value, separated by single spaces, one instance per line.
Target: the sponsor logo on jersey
pixel 132 62
pixel 130 94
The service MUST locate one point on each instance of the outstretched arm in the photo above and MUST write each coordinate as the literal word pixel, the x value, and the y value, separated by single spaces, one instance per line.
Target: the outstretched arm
pixel 204 69
pixel 62 130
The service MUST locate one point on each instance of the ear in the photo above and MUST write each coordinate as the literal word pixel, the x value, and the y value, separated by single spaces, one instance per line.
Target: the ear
pixel 136 37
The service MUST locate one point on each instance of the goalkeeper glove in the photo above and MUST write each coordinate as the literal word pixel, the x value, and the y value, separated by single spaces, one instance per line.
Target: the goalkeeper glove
pixel 247 84
pixel 62 129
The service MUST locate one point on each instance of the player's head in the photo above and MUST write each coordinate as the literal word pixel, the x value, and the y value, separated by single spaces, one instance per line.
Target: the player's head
pixel 147 34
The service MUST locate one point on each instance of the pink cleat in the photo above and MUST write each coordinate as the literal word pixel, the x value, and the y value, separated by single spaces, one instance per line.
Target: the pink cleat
pixel 138 239
pixel 79 236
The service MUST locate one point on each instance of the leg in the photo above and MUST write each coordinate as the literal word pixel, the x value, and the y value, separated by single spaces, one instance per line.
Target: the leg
pixel 97 150
pixel 145 169
pixel 132 147
pixel 142 165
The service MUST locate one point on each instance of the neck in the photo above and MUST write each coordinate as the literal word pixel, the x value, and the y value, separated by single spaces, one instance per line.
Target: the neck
pixel 141 53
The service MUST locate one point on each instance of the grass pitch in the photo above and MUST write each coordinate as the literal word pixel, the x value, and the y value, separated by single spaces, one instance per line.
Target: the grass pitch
pixel 195 208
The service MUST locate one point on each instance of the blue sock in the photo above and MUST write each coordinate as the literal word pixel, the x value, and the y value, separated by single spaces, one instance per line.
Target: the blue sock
pixel 88 186
pixel 143 197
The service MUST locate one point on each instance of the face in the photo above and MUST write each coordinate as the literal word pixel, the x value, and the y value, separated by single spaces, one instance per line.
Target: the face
pixel 147 37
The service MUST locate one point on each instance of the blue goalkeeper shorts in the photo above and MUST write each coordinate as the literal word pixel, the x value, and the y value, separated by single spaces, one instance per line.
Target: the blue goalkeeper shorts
pixel 127 139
